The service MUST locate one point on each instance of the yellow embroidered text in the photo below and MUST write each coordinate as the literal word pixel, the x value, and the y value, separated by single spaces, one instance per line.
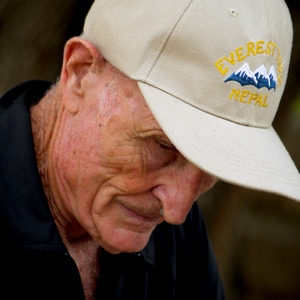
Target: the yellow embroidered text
pixel 251 48
pixel 248 97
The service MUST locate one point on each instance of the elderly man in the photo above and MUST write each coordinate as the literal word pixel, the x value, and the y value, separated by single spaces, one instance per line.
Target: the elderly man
pixel 100 172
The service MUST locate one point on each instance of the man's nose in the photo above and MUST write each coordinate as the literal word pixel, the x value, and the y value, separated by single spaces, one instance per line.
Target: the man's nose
pixel 178 188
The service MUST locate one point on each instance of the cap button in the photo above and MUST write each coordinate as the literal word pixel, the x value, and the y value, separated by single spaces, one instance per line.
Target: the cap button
pixel 233 12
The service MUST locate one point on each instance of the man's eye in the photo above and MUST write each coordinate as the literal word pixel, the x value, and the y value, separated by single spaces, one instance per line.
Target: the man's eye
pixel 165 145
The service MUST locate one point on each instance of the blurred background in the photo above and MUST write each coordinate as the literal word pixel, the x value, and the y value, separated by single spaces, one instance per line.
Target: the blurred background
pixel 255 236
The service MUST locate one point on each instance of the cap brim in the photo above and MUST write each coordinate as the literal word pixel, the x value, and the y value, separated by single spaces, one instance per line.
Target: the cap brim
pixel 250 157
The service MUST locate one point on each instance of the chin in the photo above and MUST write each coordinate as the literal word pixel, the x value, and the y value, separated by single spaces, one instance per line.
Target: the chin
pixel 125 245
pixel 113 250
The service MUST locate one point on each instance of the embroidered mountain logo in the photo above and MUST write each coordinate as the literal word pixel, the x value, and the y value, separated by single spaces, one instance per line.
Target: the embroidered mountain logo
pixel 259 78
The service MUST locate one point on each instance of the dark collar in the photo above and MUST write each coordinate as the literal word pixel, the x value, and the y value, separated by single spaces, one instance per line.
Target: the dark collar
pixel 25 214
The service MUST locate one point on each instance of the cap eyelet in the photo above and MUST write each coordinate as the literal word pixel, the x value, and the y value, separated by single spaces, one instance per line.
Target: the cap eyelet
pixel 233 12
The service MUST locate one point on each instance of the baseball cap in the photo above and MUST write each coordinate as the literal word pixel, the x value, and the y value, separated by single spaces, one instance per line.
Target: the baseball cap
pixel 212 73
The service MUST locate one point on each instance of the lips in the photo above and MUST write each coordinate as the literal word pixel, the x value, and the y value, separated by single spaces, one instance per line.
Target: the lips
pixel 150 213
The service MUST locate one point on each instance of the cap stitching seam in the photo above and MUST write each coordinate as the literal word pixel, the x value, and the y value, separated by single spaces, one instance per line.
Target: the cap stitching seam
pixel 282 170
pixel 162 49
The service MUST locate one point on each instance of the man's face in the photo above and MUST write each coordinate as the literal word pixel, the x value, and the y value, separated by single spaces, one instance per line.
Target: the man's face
pixel 117 172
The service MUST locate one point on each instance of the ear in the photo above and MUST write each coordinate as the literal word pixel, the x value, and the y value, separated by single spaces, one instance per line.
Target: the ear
pixel 80 59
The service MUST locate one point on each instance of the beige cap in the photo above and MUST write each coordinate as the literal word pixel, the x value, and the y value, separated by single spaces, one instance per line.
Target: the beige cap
pixel 212 73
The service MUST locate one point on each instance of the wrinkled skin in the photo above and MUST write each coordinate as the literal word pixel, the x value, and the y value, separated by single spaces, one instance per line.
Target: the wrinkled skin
pixel 110 167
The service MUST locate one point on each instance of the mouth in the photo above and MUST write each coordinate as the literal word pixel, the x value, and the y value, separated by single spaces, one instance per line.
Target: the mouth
pixel 152 214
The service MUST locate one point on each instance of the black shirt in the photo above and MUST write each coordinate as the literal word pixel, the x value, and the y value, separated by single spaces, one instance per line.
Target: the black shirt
pixel 177 263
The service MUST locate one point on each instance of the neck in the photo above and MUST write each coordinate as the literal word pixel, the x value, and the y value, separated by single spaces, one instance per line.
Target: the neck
pixel 45 121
